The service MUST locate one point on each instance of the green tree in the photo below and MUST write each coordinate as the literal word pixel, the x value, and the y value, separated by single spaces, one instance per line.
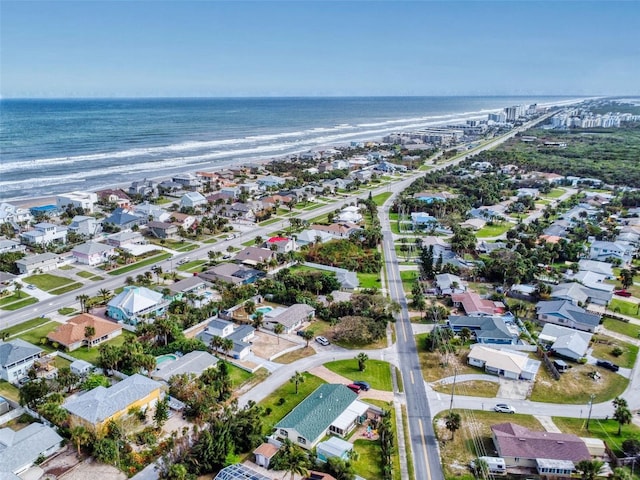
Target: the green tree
pixel 307 335
pixel 278 329
pixel 341 469
pixel 80 436
pixel 89 333
pixel 621 414
pixel 480 468
pixel 294 460
pixel 453 422
pixel 362 361
pixel 105 293
pixel 33 393
pixel 626 277
pixel 105 450
pixel 297 379
pixel 161 415
pixel 17 287
pixel 621 474
pixel 589 469
pixel 83 299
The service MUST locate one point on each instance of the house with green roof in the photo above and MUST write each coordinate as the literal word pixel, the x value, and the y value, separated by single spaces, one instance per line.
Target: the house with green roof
pixel 329 410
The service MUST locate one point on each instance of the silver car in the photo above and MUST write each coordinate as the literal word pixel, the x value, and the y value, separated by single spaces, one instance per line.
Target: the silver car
pixel 504 408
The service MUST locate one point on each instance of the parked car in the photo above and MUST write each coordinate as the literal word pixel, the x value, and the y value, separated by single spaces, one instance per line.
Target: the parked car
pixel 31 287
pixel 354 387
pixel 622 293
pixel 322 341
pixel 504 408
pixel 362 384
pixel 608 365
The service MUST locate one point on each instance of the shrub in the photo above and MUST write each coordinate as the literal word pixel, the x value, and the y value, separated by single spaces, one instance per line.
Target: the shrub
pixel 617 351
pixel 281 401
pixel 582 361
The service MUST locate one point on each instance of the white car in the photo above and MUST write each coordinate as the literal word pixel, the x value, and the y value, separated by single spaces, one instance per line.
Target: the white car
pixel 504 408
pixel 322 341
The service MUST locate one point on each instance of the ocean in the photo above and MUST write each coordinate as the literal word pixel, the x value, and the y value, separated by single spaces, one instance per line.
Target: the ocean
pixel 48 147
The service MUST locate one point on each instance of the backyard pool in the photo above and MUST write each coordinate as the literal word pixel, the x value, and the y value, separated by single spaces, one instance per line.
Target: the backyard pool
pixel 264 310
pixel 165 358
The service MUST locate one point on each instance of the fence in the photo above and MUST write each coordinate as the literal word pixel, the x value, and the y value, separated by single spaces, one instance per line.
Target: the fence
pixel 549 364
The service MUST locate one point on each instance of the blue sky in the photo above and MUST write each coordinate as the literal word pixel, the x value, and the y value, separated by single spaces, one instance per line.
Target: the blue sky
pixel 268 48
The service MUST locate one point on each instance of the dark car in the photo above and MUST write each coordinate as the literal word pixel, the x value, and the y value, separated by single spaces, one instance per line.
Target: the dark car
pixel 354 387
pixel 608 365
pixel 362 384
pixel 622 293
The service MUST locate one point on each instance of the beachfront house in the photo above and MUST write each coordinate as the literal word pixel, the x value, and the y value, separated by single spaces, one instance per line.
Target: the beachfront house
pixel 85 226
pixel 84 200
pixel 44 233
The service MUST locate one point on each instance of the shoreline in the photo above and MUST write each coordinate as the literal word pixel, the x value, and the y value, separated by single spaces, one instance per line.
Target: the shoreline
pixel 48 199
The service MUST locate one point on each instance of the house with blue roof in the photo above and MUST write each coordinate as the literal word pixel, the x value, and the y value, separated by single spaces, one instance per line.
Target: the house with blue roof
pixel 124 219
pixel 330 410
pixel 566 314
pixel 423 220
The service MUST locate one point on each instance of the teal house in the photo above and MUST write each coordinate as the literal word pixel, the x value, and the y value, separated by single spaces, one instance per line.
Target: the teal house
pixel 136 304
pixel 329 410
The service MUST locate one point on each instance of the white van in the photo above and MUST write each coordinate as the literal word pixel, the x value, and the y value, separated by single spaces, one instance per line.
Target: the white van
pixel 496 465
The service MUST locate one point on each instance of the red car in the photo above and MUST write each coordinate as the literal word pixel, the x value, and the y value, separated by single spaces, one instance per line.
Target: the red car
pixel 622 293
pixel 354 387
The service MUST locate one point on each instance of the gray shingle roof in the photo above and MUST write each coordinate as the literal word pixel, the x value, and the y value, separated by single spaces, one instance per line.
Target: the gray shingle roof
pixel 318 411
pixel 15 350
pixel 100 403
pixel 23 447
pixel 566 309
pixel 193 362
pixel 484 327
pixel 293 314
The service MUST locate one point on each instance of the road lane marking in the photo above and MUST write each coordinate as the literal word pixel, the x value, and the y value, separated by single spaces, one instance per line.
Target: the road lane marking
pixel 404 331
pixel 411 375
pixel 424 449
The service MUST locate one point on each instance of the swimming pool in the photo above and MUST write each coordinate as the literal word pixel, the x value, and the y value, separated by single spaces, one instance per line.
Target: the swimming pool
pixel 264 310
pixel 170 357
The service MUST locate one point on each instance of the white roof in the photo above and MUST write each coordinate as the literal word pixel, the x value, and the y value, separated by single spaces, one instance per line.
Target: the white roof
pixel 136 299
pixel 353 411
pixel 510 361
pixel 334 447
pixel 21 448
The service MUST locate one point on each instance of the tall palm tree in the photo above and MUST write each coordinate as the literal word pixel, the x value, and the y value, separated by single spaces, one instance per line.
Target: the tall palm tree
pixel 453 422
pixel 258 320
pixel 80 436
pixel 17 287
pixel 216 343
pixel 278 329
pixel 623 415
pixel 227 345
pixel 83 302
pixel 307 335
pixel 297 379
pixel 105 293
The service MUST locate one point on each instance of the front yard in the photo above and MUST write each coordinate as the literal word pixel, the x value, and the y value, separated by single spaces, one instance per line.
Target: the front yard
pixel 91 355
pixel 472 388
pixel 624 307
pixel 625 328
pixel 377 373
pixel 494 230
pixel 606 430
pixel 605 351
pixel 436 365
pixel 47 282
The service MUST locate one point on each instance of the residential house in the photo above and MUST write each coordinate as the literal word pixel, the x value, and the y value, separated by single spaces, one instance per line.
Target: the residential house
pixel 14 215
pixel 116 196
pixel 330 410
pixel 505 363
pixel 340 164
pixel 183 220
pixel 271 181
pixel 9 246
pixel 93 253
pixel 528 192
pixel 152 212
pixel 307 237
pixel 350 214
pixel 42 262
pixel 605 251
pixel 602 268
pixel 264 453
pixel 73 334
pixel 524 448
pixel 84 200
pixel 338 230
pixel 252 188
pixel 134 303
pixel 449 284
pixel 240 335
pixel 290 318
pixel 362 175
pixel 565 342
pixel 487 330
pixel 188 181
pixel 16 358
pixel 231 273
pixel 281 244
pixel 144 188
pixel 255 256
pixel 193 363
pixel 421 220
pixel 163 230
pixel 487 213
pixel 242 211
pixel 337 184
pixel 192 200
pixel 44 233
pixel 187 285
pixel 125 239
pixel 81 367
pixel 21 449
pixel 474 223
pixel 97 407
pixel 579 294
pixel 334 447
pixel 557 229
pixel 566 314
pixel 83 225
pixel 475 306
pixel 124 219
pixel 348 279
pixel 170 188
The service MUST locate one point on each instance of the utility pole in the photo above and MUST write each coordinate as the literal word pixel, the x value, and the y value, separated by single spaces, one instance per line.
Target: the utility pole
pixel 592 396
pixel 453 388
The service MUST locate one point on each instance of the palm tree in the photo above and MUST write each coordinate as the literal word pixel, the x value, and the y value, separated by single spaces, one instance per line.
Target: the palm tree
pixel 17 287
pixel 278 329
pixel 622 413
pixel 227 345
pixel 83 302
pixel 216 343
pixel 258 320
pixel 589 469
pixel 362 361
pixel 307 335
pixel 105 293
pixel 294 460
pixel 297 378
pixel 621 474
pixel 453 422
pixel 89 333
pixel 80 436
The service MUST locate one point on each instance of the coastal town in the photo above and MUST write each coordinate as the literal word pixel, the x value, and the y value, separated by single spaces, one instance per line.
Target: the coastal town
pixel 459 301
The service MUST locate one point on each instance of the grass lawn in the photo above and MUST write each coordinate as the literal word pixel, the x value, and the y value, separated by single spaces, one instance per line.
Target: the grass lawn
pixel 287 391
pixel 20 304
pixel 629 329
pixel 606 430
pixel 46 281
pixel 623 307
pixel 14 297
pixel 575 386
pixel 377 372
pixel 603 351
pixel 493 230
pixel 555 193
pixel 295 355
pixel 9 391
pixel 37 334
pixel 34 322
pixel 238 376
pixel 369 280
pixel 140 264
pixel 191 266
pixel 407 441
pixel 92 354
pixel 408 278
pixel 60 362
pixel 66 288
pixel 456 453
pixel 433 363
pixel 361 465
pixel 89 275
pixel 271 221
pixel 473 388
pixel 66 311
pixel 381 198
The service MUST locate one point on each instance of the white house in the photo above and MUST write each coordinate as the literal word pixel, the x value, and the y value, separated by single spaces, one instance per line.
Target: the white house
pixel 603 251
pixel 44 233
pixel 20 449
pixel 281 244
pixel 85 200
pixel 193 200
pixel 16 358
pixel 350 214
pixel 564 341
pixel 84 225
pixel 506 363
pixel 449 284
pixel 93 253
pixel 42 262
pixel 12 214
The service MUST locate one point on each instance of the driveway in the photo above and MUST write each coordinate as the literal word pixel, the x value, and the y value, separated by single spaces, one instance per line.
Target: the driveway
pixel 514 389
